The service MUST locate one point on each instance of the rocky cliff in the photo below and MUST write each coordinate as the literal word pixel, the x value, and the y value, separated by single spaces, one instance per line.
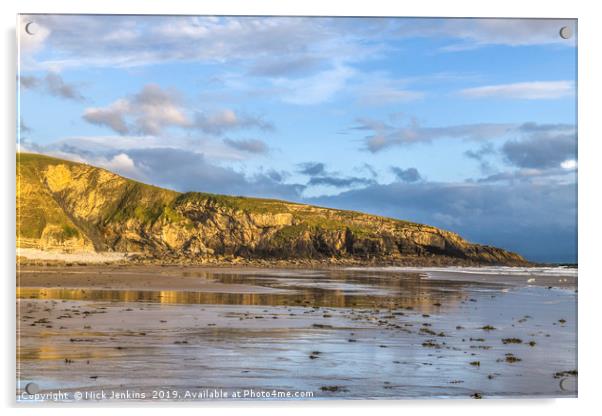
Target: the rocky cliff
pixel 67 206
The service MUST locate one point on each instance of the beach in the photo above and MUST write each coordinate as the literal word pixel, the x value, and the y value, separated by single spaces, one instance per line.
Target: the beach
pixel 118 332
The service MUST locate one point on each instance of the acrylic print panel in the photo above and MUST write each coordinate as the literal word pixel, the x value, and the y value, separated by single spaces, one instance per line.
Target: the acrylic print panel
pixel 295 208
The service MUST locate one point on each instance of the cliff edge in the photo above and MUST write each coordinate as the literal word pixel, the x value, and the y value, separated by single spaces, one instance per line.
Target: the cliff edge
pixel 66 206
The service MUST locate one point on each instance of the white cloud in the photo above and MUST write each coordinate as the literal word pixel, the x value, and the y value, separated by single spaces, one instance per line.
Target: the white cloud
pixel 535 90
pixel 121 163
pixel 317 88
pixel 381 89
pixel 569 164
pixel 390 96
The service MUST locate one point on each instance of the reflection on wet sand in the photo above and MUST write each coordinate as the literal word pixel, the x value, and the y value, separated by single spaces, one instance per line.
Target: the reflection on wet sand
pixel 332 298
pixel 336 289
pixel 335 333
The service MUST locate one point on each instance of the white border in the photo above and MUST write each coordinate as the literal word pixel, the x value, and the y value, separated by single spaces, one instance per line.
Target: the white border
pixel 589 187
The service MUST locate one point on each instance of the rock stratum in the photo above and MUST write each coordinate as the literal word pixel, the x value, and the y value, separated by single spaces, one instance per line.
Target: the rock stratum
pixel 64 206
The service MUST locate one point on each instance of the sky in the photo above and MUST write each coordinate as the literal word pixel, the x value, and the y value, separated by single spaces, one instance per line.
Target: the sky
pixel 464 124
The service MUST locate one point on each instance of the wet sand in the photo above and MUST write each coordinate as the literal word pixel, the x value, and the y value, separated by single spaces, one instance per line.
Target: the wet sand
pixel 142 277
pixel 336 333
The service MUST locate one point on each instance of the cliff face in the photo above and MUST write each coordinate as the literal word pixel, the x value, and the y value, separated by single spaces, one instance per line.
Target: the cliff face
pixel 68 206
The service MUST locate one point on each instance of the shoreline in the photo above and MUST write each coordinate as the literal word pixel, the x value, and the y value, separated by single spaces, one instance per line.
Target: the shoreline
pixel 256 279
pixel 36 257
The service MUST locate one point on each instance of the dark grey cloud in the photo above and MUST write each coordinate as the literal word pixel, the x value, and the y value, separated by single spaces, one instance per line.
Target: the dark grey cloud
pixel 319 175
pixel 544 147
pixel 406 175
pixel 528 145
pixel 248 145
pixel 339 182
pixel 530 175
pixel 481 154
pixel 536 150
pixel 312 168
pixel 484 150
pixel 29 81
pixel 531 127
pixel 276 176
pixel 188 171
pixel 52 84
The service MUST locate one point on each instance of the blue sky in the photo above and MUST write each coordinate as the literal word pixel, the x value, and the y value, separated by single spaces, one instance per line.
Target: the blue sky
pixel 466 124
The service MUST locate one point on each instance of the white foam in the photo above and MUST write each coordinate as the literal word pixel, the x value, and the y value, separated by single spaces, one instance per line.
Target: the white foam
pixel 559 271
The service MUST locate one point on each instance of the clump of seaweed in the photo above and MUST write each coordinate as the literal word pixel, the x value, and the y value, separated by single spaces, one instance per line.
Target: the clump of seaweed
pixel 322 326
pixel 511 358
pixel 512 341
pixel 427 331
pixel 561 374
pixel 431 344
pixel 332 389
